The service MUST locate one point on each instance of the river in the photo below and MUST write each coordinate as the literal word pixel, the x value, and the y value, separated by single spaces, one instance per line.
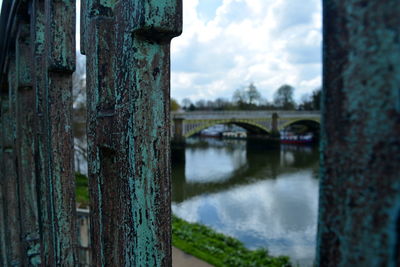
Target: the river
pixel 264 196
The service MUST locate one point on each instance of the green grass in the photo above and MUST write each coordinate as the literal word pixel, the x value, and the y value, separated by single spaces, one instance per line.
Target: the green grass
pixel 218 249
pixel 201 241
pixel 82 192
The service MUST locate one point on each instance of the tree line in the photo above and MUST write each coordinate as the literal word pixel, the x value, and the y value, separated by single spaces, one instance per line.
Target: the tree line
pixel 250 98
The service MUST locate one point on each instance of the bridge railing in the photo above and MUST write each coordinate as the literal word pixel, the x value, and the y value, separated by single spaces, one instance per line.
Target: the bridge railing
pixel 127 44
pixel 241 114
pixel 128 131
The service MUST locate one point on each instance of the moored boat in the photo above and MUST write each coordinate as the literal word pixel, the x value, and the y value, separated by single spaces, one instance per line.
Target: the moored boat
pixel 290 138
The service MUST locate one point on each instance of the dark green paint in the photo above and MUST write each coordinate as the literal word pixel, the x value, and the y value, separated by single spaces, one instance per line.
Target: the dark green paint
pixel 129 131
pixel 360 185
pixel 9 169
pixel 60 63
pixel 3 246
pixel 127 49
pixel 25 148
pixel 41 148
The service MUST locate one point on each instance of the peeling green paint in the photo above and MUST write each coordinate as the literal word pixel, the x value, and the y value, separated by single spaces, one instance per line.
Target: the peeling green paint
pixel 59 180
pixel 128 133
pixel 360 187
pixel 25 138
pixel 14 252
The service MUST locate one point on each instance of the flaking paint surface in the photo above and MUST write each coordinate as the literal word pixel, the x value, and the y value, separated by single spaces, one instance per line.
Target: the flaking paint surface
pixel 360 186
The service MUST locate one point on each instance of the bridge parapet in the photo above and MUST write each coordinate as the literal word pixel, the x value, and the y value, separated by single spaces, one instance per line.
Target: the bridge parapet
pixel 242 114
pixel 127 44
pixel 185 124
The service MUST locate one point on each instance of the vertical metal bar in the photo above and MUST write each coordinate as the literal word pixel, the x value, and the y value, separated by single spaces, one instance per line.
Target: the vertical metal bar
pixel 60 53
pixel 127 49
pixel 106 219
pixel 9 165
pixel 3 246
pixel 142 88
pixel 39 75
pixel 84 25
pixel 25 148
pixel 359 207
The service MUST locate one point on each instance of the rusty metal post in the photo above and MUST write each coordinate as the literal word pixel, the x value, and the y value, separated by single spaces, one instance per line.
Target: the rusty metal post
pixel 25 148
pixel 39 74
pixel 97 35
pixel 3 244
pixel 360 185
pixel 9 165
pixel 60 54
pixel 39 77
pixel 128 60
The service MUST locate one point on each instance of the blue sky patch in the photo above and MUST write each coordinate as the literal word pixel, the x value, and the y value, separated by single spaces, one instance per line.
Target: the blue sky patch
pixel 207 8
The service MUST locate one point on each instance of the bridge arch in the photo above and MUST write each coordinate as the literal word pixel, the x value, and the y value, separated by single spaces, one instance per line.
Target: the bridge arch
pixel 291 122
pixel 313 123
pixel 250 126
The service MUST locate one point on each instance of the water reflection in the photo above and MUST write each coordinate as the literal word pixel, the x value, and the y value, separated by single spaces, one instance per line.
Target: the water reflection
pixel 266 197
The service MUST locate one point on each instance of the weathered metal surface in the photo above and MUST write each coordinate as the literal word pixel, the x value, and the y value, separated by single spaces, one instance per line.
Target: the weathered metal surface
pixel 84 25
pixel 360 186
pixel 106 218
pixel 3 244
pixel 60 54
pixel 10 178
pixel 25 148
pixel 127 50
pixel 39 74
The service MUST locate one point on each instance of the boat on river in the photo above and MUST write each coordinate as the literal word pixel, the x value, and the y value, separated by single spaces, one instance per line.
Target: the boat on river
pixel 291 138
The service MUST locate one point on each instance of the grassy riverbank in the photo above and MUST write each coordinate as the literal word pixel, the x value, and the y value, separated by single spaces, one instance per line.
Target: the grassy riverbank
pixel 201 241
pixel 218 249
pixel 82 191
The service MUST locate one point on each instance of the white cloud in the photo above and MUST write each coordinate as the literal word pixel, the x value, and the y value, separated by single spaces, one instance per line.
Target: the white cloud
pixel 267 42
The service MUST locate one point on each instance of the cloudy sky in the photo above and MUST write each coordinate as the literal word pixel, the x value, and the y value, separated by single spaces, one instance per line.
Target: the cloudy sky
pixel 226 44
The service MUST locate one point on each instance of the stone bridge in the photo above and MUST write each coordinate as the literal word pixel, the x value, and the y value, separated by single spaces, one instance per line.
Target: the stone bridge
pixel 127 44
pixel 186 124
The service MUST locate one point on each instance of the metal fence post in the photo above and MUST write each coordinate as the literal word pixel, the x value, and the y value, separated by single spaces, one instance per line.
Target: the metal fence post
pixel 360 162
pixel 60 55
pixel 127 46
pixel 9 165
pixel 98 41
pixel 39 74
pixel 3 246
pixel 25 148
pixel 3 157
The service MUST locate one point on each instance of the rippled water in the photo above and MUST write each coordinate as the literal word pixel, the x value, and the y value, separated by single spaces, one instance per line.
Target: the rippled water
pixel 266 197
